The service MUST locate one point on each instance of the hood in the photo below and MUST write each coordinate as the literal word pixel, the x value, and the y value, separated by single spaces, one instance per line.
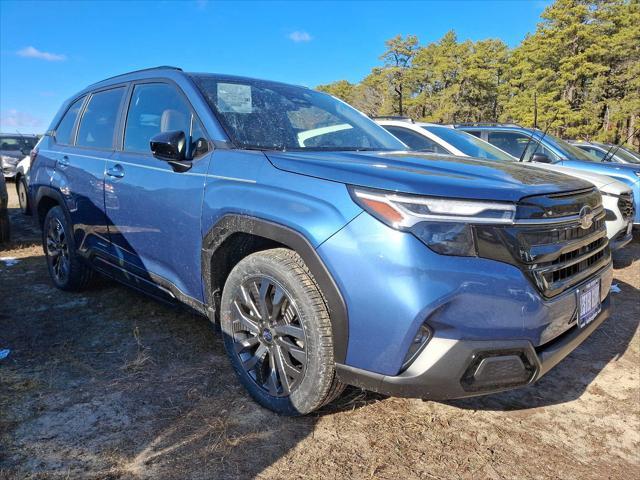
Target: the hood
pixel 600 181
pixel 427 174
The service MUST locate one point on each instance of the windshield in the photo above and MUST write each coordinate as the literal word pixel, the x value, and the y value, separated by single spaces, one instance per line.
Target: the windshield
pixel 469 144
pixel 272 116
pixel 17 143
pixel 633 153
pixel 626 156
pixel 571 151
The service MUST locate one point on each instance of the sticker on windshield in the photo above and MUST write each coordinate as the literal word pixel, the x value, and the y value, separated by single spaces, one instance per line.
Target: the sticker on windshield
pixel 233 97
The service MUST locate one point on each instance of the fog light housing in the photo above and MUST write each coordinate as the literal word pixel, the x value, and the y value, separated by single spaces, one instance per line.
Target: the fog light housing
pixel 417 345
pixel 498 369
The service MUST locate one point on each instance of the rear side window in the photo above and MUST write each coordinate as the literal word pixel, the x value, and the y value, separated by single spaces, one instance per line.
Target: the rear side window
pixel 99 119
pixel 515 143
pixel 154 108
pixel 414 140
pixel 64 132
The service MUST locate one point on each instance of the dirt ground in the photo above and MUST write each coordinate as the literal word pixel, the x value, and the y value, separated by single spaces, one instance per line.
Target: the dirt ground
pixel 111 384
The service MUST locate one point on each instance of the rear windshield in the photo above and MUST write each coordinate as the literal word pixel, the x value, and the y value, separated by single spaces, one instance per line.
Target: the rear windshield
pixel 17 143
pixel 271 116
pixel 469 144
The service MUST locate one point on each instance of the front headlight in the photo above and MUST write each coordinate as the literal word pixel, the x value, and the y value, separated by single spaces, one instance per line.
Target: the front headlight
pixel 443 224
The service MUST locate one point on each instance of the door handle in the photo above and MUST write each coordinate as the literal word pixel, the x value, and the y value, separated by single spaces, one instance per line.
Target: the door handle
pixel 64 161
pixel 116 171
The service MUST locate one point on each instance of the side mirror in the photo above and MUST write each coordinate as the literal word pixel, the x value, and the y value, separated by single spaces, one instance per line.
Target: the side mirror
pixel 540 158
pixel 169 146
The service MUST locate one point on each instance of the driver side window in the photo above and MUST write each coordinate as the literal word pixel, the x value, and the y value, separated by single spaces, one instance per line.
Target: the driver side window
pixel 157 108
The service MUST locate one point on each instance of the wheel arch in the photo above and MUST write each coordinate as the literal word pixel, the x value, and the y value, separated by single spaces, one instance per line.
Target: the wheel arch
pixel 46 198
pixel 235 236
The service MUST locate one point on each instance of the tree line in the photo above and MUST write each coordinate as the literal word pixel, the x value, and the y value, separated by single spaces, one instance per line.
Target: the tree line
pixel 578 74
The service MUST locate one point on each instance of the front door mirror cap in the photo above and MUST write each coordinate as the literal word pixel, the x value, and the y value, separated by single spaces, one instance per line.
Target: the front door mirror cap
pixel 540 158
pixel 169 146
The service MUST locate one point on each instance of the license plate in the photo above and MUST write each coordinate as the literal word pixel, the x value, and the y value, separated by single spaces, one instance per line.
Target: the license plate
pixel 588 303
pixel 629 227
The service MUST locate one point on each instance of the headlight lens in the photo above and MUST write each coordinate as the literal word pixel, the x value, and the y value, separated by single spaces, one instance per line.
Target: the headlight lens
pixel 443 224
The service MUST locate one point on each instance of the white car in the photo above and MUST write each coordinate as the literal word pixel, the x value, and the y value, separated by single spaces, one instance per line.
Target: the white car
pixel 21 177
pixel 617 197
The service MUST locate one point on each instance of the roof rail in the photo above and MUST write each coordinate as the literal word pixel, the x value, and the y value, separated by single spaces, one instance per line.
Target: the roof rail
pixel 393 117
pixel 487 124
pixel 160 67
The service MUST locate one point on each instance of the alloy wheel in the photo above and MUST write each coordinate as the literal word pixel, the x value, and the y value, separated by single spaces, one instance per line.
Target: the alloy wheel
pixel 58 250
pixel 268 336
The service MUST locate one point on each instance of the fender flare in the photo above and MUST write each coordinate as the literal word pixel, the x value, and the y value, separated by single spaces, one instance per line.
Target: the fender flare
pixel 46 191
pixel 236 223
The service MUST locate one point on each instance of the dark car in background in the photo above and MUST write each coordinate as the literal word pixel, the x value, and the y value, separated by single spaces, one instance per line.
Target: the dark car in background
pixel 13 148
pixel 4 214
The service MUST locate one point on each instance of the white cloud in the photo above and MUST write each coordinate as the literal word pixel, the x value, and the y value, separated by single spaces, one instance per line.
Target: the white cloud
pixel 300 36
pixel 32 52
pixel 13 119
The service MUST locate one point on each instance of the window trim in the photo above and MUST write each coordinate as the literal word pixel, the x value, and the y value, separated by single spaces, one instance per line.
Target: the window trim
pixel 90 96
pixel 127 107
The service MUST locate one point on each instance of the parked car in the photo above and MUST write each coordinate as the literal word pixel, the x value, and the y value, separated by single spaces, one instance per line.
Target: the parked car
pixel 608 152
pixel 22 179
pixel 5 230
pixel 617 197
pixel 514 139
pixel 329 256
pixel 13 147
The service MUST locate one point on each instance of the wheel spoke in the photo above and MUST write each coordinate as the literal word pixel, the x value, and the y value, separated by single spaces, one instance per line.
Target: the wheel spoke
pixel 282 370
pixel 246 344
pixel 277 302
pixel 251 363
pixel 262 300
pixel 293 350
pixel 290 330
pixel 248 301
pixel 272 379
pixel 249 324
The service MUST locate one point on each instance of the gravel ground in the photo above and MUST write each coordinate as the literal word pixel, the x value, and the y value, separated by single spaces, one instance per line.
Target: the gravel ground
pixel 111 384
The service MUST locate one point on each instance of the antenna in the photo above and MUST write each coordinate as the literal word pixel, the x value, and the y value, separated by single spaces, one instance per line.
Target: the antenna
pixel 539 141
pixel 604 159
pixel 535 109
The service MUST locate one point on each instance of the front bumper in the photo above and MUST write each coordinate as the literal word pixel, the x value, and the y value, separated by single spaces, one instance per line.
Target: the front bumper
pixel 443 368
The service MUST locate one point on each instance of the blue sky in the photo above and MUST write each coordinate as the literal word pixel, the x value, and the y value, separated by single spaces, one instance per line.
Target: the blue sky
pixel 49 50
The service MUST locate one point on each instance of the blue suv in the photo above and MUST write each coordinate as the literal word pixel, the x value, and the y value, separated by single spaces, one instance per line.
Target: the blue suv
pixel 328 254
pixel 546 148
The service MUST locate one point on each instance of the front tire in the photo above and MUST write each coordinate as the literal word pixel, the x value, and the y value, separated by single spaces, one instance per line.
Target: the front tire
pixel 277 332
pixel 66 268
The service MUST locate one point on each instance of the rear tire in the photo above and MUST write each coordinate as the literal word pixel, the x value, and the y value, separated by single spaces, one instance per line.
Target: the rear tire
pixel 5 227
pixel 66 268
pixel 23 197
pixel 277 332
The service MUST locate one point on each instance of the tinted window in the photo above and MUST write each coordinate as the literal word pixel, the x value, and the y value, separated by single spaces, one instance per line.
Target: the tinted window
pixel 514 143
pixel 99 119
pixel 594 151
pixel 273 116
pixel 155 108
pixel 414 140
pixel 64 132
pixel 468 144
pixel 475 133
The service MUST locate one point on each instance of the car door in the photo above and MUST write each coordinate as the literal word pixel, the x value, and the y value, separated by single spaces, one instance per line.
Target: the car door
pixel 81 151
pixel 515 144
pixel 154 208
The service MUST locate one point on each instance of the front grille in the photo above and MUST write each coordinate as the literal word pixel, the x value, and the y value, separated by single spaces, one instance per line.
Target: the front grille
pixel 625 204
pixel 555 256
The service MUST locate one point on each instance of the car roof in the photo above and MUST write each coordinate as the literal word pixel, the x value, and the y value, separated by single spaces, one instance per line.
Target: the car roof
pixel 174 73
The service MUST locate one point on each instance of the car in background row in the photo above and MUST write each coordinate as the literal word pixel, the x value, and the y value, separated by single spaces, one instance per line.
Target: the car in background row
pixel 608 152
pixel 329 253
pixel 13 148
pixel 5 232
pixel 617 197
pixel 532 144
